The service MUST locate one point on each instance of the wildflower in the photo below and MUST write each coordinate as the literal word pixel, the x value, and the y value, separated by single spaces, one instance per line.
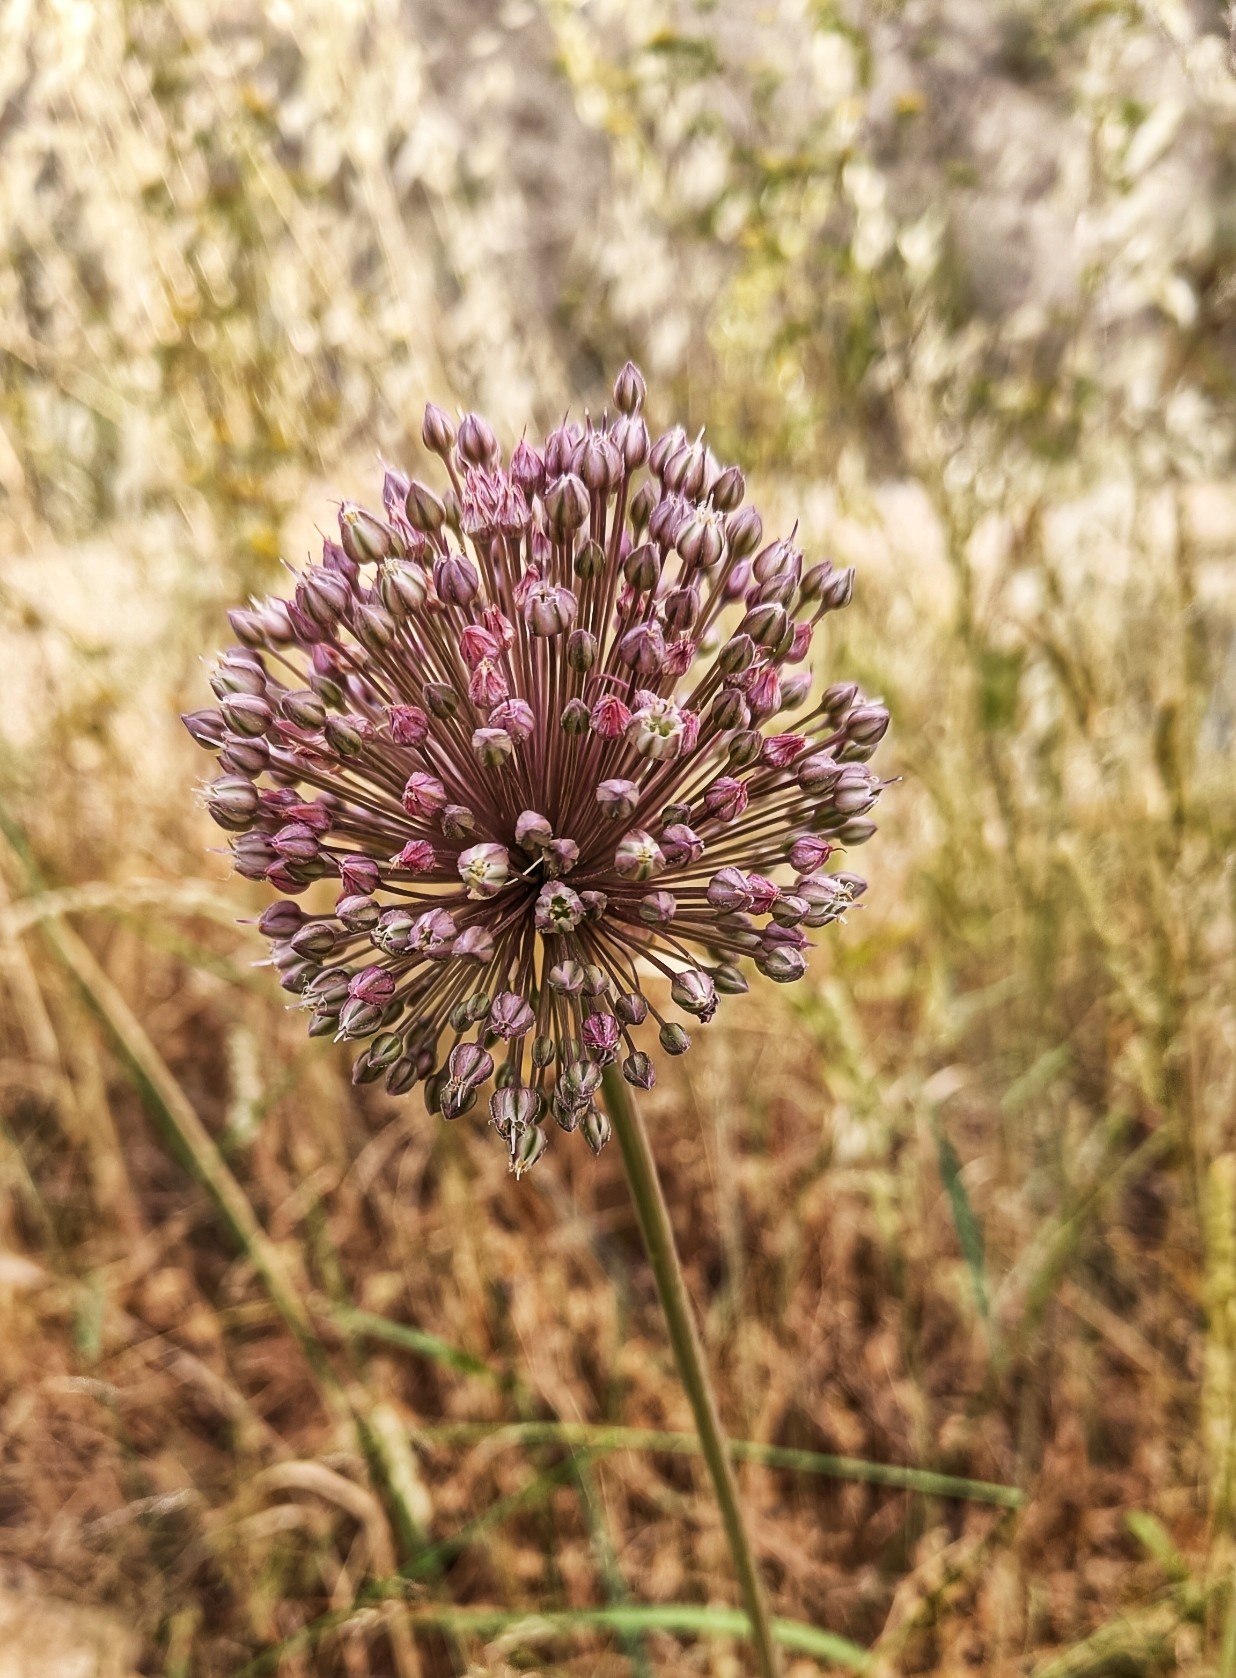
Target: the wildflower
pixel 525 725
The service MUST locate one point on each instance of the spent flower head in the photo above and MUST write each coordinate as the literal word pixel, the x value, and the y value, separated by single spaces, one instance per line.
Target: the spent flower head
pixel 547 732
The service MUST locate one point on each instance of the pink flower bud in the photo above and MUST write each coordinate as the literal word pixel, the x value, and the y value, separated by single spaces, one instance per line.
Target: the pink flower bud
pixel 514 717
pixel 610 718
pixel 409 725
pixel 618 799
pixel 548 610
pixel 417 856
pixel 726 798
pixel 487 685
pixel 359 875
pixel 476 643
pixel 423 795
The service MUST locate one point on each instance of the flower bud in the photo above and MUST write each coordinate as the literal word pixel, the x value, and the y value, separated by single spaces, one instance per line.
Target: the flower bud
pixel 358 913
pixel 600 1032
pixel 581 650
pixel 745 748
pixel 589 560
pixel 575 717
pixel 527 1147
pixel 726 798
pixel 729 489
pixel 818 774
pixel 455 579
pixel 682 846
pixel 493 746
pixel 476 443
pixel 532 832
pixel 560 856
pixel 658 908
pixel 246 714
pixel 729 710
pixel 527 469
pixel 513 1109
pixel 425 511
pixel 765 625
pixel 232 801
pixel 437 431
pixel 737 655
pixel 595 1128
pixel 642 504
pixel 866 725
pixel 856 831
pixel 618 799
pixel 206 727
pixel 795 690
pixel 365 539
pixel 280 919
pixel 695 993
pixel 511 1016
pixel 638 856
pixel 303 707
pixel 457 821
pixel 674 1039
pixel 729 892
pixel 837 590
pixel 598 463
pixel 579 1081
pixel 470 1065
pixel 315 940
pixel 630 438
pixel 610 718
pixel 403 588
pixel 409 726
pixel 629 389
pixel 700 540
pixel 373 627
pixel 345 735
pixel 643 648
pixel 782 964
pixel 566 506
pixel 729 980
pixel 743 531
pixel 638 1069
pixel 642 568
pixel 423 795
pixel 455 1099
pixel 548 610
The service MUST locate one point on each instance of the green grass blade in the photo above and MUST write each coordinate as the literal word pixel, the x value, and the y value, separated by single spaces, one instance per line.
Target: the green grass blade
pixel 683 1619
pixel 370 1326
pixel 965 1220
pixel 602 1438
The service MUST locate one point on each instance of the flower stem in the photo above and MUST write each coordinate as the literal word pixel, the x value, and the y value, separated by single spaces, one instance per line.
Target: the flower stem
pixel 658 1234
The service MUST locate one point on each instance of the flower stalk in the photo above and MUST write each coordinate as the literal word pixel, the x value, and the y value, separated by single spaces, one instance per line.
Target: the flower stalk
pixel 658 1236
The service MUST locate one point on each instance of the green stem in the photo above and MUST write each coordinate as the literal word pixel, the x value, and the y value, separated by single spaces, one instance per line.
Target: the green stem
pixel 658 1234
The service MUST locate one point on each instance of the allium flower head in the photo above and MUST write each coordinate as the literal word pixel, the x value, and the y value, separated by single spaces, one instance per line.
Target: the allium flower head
pixel 533 728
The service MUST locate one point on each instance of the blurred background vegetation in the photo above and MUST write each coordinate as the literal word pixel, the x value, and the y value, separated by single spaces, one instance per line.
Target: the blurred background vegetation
pixel 955 281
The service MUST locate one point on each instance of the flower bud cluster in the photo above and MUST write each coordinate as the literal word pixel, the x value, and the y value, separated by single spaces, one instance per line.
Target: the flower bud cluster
pixel 546 734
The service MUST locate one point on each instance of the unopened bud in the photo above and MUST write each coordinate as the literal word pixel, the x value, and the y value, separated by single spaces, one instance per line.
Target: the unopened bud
pixel 437 431
pixel 629 389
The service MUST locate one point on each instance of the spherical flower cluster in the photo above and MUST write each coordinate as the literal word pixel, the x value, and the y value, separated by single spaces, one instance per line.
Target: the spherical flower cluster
pixel 530 727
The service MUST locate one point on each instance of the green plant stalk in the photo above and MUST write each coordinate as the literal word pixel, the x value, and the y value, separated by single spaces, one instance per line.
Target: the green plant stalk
pixel 658 1234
